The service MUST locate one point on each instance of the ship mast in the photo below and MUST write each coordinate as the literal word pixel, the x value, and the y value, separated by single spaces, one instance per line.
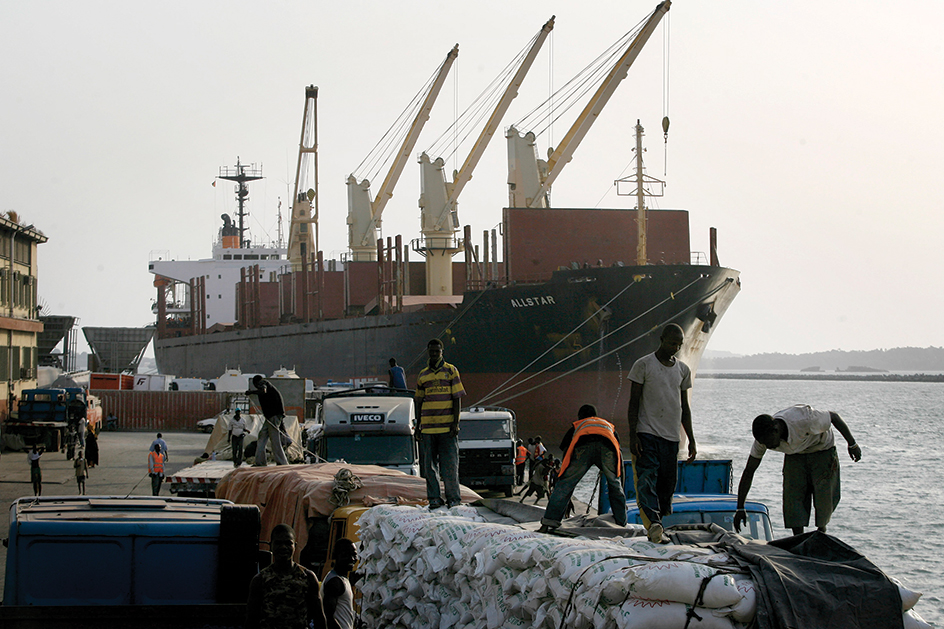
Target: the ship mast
pixel 640 191
pixel 641 258
pixel 241 174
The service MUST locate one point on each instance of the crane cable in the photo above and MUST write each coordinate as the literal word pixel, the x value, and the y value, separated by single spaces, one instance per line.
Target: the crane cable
pixel 499 390
pixel 602 356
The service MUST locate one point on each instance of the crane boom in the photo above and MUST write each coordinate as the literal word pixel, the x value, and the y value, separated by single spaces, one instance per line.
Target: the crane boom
pixel 565 150
pixel 364 215
pixel 464 175
pixel 438 196
pixel 300 244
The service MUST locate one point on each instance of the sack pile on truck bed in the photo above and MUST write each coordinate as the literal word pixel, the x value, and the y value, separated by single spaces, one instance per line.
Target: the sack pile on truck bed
pixel 449 568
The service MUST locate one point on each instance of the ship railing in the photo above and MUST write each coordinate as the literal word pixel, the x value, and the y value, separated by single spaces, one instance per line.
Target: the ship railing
pixel 699 258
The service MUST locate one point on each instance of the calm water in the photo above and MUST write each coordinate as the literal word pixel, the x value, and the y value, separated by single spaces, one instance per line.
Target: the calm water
pixel 892 507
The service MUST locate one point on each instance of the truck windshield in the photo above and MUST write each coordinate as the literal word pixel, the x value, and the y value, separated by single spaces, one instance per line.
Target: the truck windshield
pixel 479 429
pixel 368 449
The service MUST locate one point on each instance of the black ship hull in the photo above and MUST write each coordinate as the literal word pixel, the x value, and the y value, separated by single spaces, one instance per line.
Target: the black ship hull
pixel 540 349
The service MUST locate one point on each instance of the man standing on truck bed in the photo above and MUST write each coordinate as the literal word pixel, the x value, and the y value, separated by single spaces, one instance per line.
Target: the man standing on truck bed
pixel 284 595
pixel 658 409
pixel 438 390
pixel 397 375
pixel 270 402
pixel 237 432
pixel 590 441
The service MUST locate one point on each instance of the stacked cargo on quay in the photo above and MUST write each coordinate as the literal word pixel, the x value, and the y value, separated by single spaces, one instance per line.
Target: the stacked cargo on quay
pixel 548 313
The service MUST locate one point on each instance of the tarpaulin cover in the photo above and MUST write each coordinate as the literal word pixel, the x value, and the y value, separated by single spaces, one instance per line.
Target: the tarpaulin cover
pixel 815 580
pixel 294 493
pixel 219 438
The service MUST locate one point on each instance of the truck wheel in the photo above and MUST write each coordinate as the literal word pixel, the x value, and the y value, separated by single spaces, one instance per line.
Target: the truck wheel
pixel 239 543
pixel 509 490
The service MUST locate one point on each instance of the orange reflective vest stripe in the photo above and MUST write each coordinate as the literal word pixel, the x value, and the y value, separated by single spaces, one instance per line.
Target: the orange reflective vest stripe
pixel 522 455
pixel 157 462
pixel 593 426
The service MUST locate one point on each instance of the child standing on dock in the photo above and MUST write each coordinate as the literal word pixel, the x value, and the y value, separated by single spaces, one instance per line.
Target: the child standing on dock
pixel 81 472
pixel 36 473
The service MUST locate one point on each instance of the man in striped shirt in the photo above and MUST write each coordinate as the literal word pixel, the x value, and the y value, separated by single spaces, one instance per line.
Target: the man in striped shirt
pixel 438 389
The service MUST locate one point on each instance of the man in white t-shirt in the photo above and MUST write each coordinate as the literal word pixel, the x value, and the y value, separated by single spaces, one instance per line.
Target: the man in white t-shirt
pixel 338 594
pixel 658 412
pixel 810 467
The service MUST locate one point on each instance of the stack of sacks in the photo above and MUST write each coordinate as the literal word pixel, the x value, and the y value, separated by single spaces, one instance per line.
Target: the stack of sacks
pixel 447 568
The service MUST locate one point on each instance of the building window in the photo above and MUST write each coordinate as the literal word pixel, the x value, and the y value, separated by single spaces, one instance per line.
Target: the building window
pixel 21 251
pixel 15 363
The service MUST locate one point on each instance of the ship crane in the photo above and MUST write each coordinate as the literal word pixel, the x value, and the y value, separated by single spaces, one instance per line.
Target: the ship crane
pixel 303 229
pixel 530 178
pixel 439 197
pixel 364 214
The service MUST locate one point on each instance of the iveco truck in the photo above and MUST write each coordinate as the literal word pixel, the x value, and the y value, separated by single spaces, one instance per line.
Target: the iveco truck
pixel 370 425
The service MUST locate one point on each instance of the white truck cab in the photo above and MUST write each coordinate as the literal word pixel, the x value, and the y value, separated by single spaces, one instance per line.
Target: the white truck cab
pixel 487 448
pixel 370 425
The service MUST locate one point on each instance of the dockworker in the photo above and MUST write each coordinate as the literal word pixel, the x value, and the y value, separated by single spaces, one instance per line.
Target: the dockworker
pixel 530 457
pixel 338 594
pixel 156 460
pixel 270 402
pixel 159 441
pixel 810 467
pixel 438 390
pixel 36 473
pixel 285 595
pixel 397 375
pixel 658 411
pixel 539 482
pixel 81 472
pixel 237 433
pixel 590 441
pixel 521 458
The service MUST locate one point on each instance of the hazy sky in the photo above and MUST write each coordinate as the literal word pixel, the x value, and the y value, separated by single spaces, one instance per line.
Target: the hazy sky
pixel 809 133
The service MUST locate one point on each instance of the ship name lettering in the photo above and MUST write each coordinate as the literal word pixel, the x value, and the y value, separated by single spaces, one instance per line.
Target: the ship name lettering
pixel 527 302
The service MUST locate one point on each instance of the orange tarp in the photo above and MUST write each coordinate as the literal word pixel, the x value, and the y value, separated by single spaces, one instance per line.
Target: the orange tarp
pixel 294 493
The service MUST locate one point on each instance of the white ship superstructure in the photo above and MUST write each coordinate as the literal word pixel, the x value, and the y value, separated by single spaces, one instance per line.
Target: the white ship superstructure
pixel 221 274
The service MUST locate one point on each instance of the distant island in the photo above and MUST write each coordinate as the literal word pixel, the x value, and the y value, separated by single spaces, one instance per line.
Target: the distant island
pixel 818 364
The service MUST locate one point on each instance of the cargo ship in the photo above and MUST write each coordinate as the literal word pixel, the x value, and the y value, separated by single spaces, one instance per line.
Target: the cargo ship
pixel 549 313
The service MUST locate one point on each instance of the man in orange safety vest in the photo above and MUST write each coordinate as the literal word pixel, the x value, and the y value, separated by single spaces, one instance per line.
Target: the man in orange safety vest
pixel 591 441
pixel 156 469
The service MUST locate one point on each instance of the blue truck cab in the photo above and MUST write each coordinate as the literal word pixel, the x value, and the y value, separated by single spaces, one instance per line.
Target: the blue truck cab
pixel 127 553
pixel 702 496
